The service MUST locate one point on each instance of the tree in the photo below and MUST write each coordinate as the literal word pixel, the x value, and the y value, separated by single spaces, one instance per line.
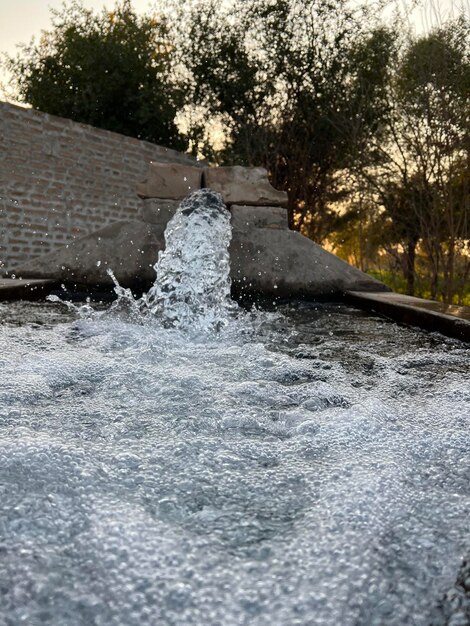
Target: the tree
pixel 434 87
pixel 111 70
pixel 295 84
pixel 422 181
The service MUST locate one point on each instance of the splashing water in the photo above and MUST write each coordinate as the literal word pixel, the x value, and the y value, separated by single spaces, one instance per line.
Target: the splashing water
pixel 153 476
pixel 193 272
pixel 191 292
pixel 192 286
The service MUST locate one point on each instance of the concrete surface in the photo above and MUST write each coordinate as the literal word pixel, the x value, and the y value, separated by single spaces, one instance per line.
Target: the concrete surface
pixel 283 263
pixel 128 248
pixel 448 319
pixel 247 217
pixel 157 211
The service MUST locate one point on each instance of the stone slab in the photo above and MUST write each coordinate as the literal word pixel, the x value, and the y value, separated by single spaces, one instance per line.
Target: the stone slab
pixel 130 249
pixel 155 211
pixel 246 217
pixel 27 289
pixel 448 319
pixel 170 181
pixel 243 185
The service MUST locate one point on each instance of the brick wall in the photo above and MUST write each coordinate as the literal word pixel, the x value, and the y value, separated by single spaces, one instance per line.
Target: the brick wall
pixel 60 180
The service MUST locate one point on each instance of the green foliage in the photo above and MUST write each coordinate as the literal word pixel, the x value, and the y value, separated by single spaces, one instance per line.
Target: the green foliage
pixel 110 70
pixel 437 61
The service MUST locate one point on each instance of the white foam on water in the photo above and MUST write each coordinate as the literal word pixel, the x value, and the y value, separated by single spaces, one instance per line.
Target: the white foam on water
pixel 148 477
pixel 241 474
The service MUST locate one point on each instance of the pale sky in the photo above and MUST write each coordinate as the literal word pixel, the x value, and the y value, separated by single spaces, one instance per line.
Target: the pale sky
pixel 20 20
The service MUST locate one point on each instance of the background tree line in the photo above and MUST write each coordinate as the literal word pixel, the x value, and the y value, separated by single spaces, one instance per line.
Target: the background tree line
pixel 365 125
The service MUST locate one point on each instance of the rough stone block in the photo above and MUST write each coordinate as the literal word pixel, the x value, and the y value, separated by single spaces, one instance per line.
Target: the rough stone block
pixel 155 211
pixel 243 185
pixel 246 217
pixel 170 181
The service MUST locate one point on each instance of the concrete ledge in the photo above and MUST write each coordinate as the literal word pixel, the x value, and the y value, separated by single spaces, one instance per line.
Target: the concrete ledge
pixel 28 289
pixel 448 319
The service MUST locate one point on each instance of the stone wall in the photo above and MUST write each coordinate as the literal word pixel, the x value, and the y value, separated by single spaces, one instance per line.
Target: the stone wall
pixel 60 180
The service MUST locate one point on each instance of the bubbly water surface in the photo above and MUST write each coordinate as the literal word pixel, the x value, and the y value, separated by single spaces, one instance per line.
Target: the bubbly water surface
pixel 305 469
pixel 312 477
